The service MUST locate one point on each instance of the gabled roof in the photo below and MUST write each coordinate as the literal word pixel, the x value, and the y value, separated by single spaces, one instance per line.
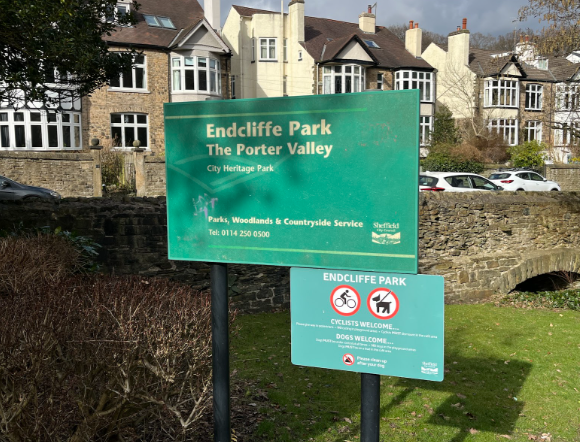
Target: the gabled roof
pixel 325 38
pixel 333 48
pixel 486 63
pixel 185 14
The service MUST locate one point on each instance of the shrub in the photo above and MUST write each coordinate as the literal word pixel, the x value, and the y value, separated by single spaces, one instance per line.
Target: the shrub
pixel 30 260
pixel 529 155
pixel 439 161
pixel 105 358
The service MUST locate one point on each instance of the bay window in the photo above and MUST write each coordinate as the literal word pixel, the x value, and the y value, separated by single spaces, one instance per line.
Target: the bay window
pixel 501 93
pixel 425 128
pixel 342 79
pixel 196 74
pixel 415 80
pixel 33 129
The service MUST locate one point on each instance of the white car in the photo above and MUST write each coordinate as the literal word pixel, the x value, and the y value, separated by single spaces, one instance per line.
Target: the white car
pixel 454 182
pixel 519 179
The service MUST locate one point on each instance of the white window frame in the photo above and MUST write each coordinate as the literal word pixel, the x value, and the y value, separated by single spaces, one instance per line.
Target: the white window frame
pixel 380 80
pixel 423 81
pixel 331 74
pixel 269 43
pixel 508 128
pixel 501 93
pixel 568 97
pixel 61 121
pixel 565 137
pixel 197 66
pixel 125 125
pixel 425 128
pixel 533 131
pixel 115 12
pixel 534 96
pixel 137 66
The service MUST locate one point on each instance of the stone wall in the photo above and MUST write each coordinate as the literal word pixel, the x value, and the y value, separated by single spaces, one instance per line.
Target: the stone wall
pixel 566 175
pixel 70 174
pixel 154 176
pixel 481 242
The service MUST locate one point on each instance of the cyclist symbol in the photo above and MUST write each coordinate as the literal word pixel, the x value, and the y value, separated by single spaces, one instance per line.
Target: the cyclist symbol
pixel 341 300
pixel 345 300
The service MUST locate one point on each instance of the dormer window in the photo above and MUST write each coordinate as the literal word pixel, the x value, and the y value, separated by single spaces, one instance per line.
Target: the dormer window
pixel 119 11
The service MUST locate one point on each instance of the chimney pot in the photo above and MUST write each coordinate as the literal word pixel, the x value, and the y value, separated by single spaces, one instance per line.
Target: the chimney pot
pixel 527 38
pixel 370 9
pixel 416 25
pixel 410 24
pixel 464 23
pixel 459 28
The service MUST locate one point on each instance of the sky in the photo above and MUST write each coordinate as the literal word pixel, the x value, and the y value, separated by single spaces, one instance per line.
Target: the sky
pixel 495 17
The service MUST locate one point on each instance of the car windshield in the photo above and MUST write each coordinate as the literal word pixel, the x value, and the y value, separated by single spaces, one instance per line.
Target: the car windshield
pixel 499 176
pixel 429 181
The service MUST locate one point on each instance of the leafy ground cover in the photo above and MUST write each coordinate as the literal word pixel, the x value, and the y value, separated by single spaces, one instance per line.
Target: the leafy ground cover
pixel 510 374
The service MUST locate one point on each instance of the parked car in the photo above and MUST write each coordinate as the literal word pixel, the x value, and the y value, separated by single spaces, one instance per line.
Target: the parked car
pixel 11 190
pixel 455 182
pixel 521 179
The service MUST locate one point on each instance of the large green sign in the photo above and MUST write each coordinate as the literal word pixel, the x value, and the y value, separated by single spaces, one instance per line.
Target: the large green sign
pixel 325 181
pixel 380 323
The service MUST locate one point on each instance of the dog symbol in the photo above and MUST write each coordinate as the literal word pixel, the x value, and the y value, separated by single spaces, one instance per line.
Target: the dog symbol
pixel 381 303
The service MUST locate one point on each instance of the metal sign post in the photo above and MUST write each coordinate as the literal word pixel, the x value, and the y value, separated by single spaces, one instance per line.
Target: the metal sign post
pixel 370 407
pixel 221 352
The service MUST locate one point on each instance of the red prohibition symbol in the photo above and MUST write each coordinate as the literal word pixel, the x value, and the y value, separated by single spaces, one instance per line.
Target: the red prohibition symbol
pixel 348 359
pixel 383 303
pixel 345 300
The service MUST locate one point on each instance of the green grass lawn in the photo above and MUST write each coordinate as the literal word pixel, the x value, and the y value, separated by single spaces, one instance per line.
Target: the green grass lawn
pixel 510 374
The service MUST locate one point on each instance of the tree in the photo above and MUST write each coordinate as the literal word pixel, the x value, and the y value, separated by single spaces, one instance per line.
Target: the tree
pixel 55 49
pixel 560 34
pixel 444 129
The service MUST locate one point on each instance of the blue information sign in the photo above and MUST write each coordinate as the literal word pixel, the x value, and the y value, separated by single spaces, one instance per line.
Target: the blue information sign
pixel 380 323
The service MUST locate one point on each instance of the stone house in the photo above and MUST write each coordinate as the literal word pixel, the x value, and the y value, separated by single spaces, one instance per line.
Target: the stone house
pixel 181 58
pixel 515 94
pixel 289 54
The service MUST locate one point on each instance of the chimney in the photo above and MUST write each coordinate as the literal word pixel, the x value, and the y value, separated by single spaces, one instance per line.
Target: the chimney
pixel 212 13
pixel 458 45
pixel 367 21
pixel 526 51
pixel 296 16
pixel 413 39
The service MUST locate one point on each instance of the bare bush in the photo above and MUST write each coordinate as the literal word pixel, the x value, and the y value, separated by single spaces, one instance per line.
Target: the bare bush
pixel 34 261
pixel 97 358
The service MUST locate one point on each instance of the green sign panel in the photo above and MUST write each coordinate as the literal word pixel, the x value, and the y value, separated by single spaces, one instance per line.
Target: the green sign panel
pixel 379 323
pixel 326 181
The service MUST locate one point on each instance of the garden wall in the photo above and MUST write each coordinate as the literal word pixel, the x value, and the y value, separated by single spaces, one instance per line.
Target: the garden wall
pixel 474 239
pixel 70 174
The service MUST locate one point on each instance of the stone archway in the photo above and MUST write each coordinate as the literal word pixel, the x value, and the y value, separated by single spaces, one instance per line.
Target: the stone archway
pixel 475 278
